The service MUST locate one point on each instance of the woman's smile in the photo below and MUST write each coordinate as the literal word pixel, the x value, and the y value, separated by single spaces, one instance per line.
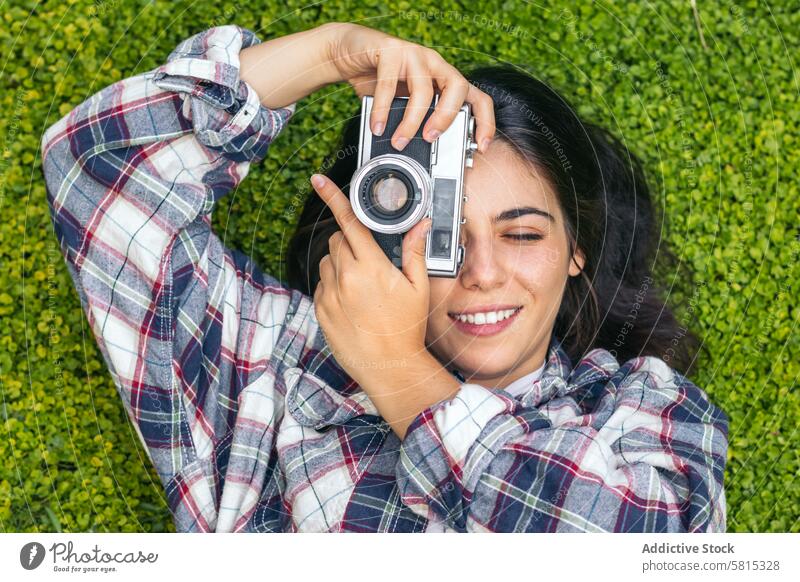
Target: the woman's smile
pixel 485 322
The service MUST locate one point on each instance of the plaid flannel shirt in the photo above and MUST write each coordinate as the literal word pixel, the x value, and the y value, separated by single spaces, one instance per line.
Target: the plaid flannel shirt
pixel 249 421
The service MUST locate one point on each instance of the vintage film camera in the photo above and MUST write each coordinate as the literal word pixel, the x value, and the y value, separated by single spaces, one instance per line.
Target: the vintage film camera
pixel 392 190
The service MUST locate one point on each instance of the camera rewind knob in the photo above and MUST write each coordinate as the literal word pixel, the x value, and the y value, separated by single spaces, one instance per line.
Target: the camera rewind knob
pixel 471 147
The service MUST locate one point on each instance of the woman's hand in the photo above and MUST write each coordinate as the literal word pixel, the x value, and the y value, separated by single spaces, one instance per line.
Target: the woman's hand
pixel 384 66
pixel 373 315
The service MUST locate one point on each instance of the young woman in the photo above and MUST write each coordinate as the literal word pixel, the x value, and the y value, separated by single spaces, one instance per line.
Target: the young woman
pixel 530 393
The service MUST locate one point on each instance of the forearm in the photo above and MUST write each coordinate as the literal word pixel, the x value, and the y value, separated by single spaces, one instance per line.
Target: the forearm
pixel 286 69
pixel 81 152
pixel 401 393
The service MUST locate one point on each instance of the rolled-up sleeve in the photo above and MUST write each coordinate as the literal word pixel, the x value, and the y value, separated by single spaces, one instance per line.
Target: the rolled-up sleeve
pixel 648 456
pixel 187 327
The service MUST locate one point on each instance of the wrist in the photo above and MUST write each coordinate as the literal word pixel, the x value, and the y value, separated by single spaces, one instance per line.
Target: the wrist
pixel 331 35
pixel 286 69
pixel 402 393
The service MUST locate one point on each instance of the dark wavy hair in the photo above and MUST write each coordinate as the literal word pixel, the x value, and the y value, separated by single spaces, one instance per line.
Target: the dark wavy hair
pixel 615 303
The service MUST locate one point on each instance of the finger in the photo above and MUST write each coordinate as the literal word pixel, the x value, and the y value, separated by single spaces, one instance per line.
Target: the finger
pixel 454 89
pixel 319 293
pixel 363 85
pixel 415 267
pixel 318 289
pixel 388 72
pixel 420 84
pixel 361 241
pixel 327 270
pixel 320 305
pixel 340 252
pixel 483 111
pixel 325 294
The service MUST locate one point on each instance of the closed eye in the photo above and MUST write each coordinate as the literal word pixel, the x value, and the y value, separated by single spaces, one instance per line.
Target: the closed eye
pixel 526 236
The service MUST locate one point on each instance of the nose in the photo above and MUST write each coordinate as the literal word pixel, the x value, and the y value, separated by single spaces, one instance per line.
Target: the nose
pixel 481 269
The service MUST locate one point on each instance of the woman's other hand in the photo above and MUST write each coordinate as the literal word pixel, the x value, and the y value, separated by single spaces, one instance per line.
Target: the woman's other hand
pixel 373 315
pixel 384 66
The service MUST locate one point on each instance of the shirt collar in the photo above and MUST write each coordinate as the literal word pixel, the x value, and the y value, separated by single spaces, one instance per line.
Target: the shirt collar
pixel 322 394
pixel 521 385
pixel 517 387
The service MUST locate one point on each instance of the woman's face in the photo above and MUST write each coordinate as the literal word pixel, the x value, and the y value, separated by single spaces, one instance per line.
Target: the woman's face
pixel 507 198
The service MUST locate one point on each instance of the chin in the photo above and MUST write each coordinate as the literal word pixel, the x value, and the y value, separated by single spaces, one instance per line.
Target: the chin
pixel 475 363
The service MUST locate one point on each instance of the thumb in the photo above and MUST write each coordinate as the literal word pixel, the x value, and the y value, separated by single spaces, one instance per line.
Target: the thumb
pixel 415 267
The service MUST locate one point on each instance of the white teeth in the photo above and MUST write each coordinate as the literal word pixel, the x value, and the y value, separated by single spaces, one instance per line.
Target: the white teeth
pixel 486 318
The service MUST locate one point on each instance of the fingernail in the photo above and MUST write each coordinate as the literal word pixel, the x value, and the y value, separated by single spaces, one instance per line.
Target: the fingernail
pixel 317 180
pixel 485 144
pixel 401 142
pixel 427 229
pixel 378 130
pixel 433 134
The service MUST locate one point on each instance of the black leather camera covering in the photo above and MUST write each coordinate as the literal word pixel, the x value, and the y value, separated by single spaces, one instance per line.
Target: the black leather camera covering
pixel 418 149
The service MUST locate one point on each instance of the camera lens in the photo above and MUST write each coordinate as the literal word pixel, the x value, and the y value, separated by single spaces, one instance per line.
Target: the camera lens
pixel 389 193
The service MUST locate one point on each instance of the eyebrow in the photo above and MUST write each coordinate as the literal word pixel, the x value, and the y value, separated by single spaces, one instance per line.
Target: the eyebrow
pixel 522 211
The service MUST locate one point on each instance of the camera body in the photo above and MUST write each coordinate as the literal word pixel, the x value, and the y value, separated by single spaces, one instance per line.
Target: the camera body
pixel 392 190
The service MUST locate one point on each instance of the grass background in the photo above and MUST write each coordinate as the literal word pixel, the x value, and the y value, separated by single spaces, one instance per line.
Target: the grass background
pixel 715 119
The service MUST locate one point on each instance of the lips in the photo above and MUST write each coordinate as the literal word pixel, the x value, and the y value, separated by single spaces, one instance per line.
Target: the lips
pixel 486 329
